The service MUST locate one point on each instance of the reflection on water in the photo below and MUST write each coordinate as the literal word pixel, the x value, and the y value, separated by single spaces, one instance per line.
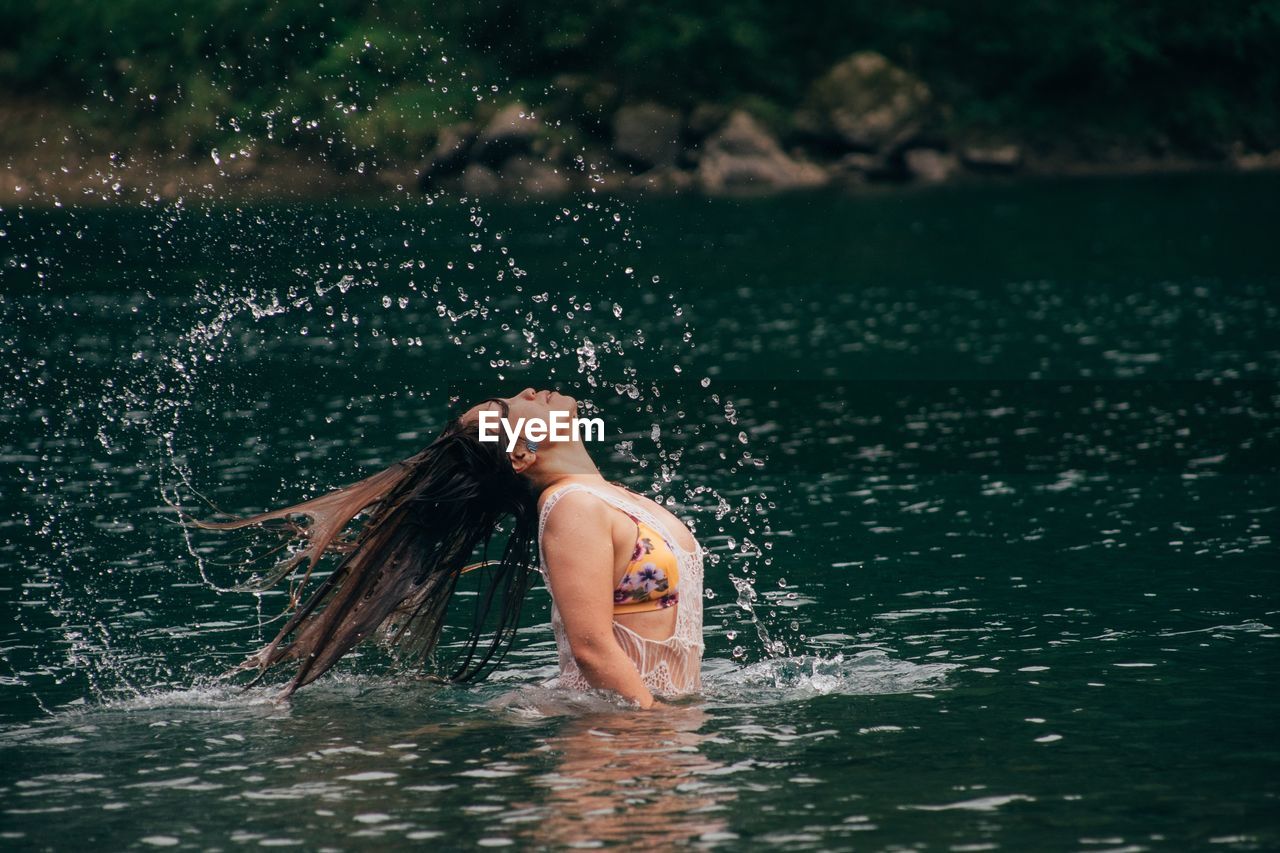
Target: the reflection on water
pixel 529 765
pixel 631 779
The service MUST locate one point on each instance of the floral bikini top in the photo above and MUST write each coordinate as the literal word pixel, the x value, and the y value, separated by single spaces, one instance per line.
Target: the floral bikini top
pixel 650 580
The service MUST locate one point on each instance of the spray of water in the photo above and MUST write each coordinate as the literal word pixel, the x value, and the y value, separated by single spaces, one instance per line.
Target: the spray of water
pixel 436 279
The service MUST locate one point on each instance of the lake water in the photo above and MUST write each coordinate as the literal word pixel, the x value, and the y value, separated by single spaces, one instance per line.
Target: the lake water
pixel 989 477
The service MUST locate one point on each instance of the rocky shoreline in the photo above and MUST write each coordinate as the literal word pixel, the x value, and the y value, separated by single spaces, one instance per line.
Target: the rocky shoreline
pixel 865 123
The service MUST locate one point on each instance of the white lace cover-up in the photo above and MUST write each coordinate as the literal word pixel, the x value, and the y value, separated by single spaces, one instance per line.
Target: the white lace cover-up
pixel 670 667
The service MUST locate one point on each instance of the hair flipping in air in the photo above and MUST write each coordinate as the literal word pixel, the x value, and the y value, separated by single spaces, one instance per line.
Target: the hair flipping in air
pixel 430 514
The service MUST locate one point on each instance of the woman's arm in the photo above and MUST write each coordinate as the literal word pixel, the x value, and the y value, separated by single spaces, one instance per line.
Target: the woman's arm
pixel 578 543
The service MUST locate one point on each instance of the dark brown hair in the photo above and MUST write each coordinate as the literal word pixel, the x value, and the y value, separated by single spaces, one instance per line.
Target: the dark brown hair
pixel 429 516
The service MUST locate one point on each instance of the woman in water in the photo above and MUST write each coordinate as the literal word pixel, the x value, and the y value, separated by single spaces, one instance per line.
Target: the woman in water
pixel 625 574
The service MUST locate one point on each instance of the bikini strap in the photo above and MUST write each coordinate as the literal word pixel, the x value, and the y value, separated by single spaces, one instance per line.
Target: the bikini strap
pixel 557 493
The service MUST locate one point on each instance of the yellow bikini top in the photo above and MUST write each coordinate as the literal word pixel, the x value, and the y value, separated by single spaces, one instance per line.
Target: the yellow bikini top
pixel 651 579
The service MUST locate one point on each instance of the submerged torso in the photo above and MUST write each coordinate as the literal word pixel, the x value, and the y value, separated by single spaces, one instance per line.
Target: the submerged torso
pixel 658 595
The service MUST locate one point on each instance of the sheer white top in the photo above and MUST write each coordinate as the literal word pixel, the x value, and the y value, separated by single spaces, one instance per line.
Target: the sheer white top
pixel 669 667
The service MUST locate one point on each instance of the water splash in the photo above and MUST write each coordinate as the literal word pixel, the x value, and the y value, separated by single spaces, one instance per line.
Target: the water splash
pixel 867 673
pixel 218 304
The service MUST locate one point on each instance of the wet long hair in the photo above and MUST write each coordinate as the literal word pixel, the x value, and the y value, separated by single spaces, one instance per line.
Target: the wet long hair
pixel 429 515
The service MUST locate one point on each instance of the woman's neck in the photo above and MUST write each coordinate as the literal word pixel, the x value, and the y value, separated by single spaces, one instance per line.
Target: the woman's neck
pixel 569 461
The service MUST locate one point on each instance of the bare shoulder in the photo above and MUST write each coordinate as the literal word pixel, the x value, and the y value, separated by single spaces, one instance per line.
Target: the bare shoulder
pixel 577 541
pixel 576 514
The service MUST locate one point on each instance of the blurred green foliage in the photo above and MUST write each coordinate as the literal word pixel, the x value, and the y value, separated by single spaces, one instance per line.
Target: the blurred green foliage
pixel 375 75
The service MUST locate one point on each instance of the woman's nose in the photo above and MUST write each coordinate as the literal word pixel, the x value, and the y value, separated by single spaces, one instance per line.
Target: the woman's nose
pixel 528 393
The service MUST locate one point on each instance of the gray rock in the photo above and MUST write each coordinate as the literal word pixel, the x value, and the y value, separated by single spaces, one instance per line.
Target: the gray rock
pixel 595 167
pixel 648 134
pixel 584 99
pixel 480 180
pixel 449 156
pixel 859 165
pixel 705 119
pixel 930 165
pixel 992 158
pixel 742 155
pixel 533 177
pixel 865 102
pixel 512 131
pixel 608 180
pixel 1249 161
pixel 664 179
pixel 860 161
pixel 242 165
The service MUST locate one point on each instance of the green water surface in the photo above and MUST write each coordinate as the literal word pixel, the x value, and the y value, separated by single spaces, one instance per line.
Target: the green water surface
pixel 997 465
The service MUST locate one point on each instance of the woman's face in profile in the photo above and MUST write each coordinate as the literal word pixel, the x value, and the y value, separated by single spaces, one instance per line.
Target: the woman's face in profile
pixel 528 404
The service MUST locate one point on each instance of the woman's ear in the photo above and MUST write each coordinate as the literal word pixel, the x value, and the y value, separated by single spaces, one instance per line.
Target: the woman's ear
pixel 522 459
